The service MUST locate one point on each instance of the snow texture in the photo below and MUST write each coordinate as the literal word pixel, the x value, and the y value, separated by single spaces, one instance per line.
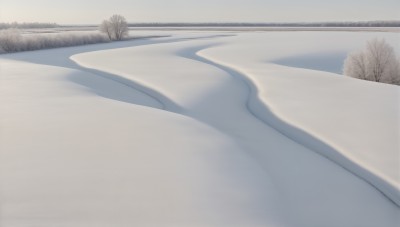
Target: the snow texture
pixel 197 129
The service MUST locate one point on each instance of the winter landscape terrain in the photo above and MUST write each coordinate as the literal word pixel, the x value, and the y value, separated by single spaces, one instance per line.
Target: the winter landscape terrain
pixel 210 127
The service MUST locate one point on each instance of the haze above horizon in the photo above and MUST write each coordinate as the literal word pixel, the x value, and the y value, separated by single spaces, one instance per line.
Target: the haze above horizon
pixel 190 11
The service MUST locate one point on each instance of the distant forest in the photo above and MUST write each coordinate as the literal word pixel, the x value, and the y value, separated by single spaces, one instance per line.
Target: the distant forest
pixel 294 24
pixel 28 25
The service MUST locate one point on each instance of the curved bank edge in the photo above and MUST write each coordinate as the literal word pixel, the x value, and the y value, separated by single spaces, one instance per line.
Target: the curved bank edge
pixel 260 110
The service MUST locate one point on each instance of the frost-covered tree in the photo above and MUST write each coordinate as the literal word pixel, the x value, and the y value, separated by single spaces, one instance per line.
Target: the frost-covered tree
pixel 10 40
pixel 356 65
pixel 116 27
pixel 105 27
pixel 119 25
pixel 377 62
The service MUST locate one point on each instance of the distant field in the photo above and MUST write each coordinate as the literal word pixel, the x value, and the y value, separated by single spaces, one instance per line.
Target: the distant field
pixel 350 29
pixel 162 28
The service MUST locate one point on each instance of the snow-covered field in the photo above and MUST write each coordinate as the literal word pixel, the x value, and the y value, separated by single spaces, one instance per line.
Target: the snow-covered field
pixel 202 128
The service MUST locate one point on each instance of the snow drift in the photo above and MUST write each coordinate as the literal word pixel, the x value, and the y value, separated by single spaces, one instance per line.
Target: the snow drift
pixel 175 133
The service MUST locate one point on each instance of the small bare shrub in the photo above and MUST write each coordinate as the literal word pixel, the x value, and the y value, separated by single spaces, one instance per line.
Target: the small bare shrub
pixel 11 40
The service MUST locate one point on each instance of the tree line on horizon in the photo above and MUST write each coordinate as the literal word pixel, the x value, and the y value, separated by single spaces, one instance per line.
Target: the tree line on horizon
pixel 283 24
pixel 33 25
pixel 27 25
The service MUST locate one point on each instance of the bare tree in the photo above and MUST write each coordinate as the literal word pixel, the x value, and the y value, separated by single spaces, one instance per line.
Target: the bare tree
pixel 377 62
pixel 106 28
pixel 116 27
pixel 381 57
pixel 119 25
pixel 356 65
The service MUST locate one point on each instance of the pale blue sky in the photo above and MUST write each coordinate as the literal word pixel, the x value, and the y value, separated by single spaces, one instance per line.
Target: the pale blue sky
pixel 93 11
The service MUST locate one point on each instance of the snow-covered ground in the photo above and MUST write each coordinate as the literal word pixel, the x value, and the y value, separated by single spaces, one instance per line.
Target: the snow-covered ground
pixel 198 129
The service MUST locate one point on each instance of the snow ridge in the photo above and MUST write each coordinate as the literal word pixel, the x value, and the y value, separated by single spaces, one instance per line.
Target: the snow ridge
pixel 260 110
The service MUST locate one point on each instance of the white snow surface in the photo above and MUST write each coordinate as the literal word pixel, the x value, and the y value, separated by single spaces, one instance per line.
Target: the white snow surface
pixel 357 122
pixel 197 129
